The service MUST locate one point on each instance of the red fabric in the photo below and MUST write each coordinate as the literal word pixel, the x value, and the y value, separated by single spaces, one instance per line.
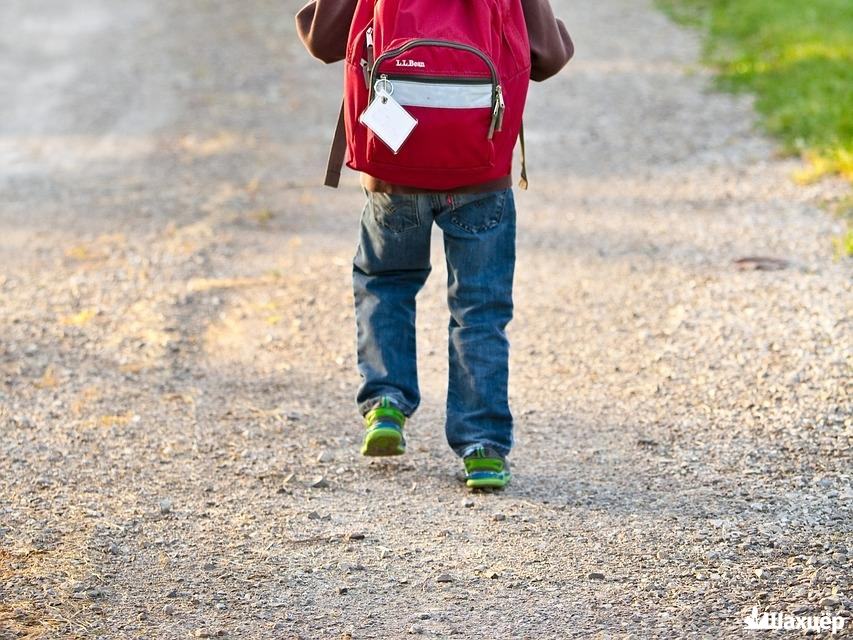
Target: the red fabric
pixel 449 148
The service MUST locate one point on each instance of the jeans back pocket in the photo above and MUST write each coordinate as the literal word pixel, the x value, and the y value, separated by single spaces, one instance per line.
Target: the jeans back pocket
pixel 394 211
pixel 477 212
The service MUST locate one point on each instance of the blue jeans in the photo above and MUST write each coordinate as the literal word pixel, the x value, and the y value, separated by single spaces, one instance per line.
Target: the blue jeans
pixel 390 267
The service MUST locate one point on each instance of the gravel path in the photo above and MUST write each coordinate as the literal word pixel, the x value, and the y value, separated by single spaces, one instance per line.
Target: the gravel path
pixel 176 352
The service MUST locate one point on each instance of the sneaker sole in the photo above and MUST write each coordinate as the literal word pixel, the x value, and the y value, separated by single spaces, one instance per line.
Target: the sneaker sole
pixel 383 442
pixel 490 482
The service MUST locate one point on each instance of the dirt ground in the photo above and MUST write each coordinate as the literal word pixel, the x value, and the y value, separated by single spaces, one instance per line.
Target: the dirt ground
pixel 178 435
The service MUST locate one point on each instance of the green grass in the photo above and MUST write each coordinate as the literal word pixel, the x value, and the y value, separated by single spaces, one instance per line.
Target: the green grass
pixel 796 56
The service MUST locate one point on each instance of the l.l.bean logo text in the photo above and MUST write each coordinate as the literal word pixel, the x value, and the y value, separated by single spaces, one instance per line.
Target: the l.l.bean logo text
pixel 411 63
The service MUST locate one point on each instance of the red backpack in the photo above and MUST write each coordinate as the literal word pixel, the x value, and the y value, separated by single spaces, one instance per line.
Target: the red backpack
pixel 459 68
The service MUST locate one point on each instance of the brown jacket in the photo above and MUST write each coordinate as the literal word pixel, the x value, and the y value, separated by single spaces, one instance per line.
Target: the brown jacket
pixel 323 26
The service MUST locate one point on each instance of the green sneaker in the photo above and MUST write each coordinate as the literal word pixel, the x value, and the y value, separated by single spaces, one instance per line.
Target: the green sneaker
pixel 384 435
pixel 485 468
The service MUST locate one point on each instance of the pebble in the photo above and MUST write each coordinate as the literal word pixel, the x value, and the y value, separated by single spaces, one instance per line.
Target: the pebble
pixel 468 503
pixel 23 422
pixel 165 506
pixel 444 577
pixel 499 517
pixel 169 610
pixel 325 456
pixel 319 483
pixel 173 593
pixel 595 575
pixel 829 601
pixel 342 590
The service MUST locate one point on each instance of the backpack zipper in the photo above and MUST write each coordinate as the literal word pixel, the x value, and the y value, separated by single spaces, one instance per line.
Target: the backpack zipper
pixel 432 79
pixel 498 105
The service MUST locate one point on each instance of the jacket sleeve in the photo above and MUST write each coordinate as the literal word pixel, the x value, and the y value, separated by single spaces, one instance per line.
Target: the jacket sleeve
pixel 323 26
pixel 551 46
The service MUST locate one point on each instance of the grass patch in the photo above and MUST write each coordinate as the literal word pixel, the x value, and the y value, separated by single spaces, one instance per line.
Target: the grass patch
pixel 797 57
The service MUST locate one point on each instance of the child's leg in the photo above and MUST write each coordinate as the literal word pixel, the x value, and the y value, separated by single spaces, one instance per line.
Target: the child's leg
pixel 479 241
pixel 389 268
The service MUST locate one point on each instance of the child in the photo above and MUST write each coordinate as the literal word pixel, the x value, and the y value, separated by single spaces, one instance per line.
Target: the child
pixel 392 264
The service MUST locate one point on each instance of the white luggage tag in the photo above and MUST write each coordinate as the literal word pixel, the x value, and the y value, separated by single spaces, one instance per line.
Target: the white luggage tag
pixel 386 118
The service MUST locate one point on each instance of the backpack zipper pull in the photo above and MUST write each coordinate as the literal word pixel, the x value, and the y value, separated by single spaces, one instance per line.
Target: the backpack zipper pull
pixel 501 109
pixel 367 63
pixel 497 113
pixel 366 72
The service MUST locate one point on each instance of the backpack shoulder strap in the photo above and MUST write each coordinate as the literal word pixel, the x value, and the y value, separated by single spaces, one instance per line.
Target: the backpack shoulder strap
pixel 336 153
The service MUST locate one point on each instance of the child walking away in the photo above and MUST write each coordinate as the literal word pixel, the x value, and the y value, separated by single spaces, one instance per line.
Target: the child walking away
pixel 434 92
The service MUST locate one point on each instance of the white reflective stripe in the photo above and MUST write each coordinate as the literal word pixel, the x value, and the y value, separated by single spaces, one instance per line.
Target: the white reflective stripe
pixel 443 95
